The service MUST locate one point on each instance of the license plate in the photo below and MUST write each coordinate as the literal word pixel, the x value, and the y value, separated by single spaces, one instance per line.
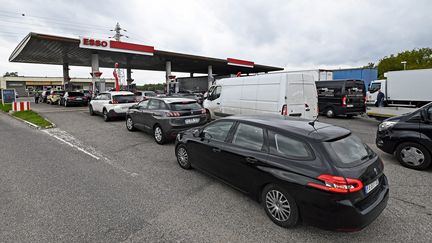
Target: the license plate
pixel 371 186
pixel 192 121
pixel 350 105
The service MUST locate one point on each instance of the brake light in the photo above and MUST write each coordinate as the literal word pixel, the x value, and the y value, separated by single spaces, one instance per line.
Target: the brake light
pixel 284 111
pixel 338 184
pixel 344 101
pixel 173 114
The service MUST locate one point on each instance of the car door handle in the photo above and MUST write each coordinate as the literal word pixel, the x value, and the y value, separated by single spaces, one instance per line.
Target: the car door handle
pixel 216 150
pixel 251 160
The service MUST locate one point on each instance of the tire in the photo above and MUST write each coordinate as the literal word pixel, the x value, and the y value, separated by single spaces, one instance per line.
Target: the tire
pixel 330 113
pixel 413 155
pixel 158 135
pixel 129 124
pixel 105 115
pixel 91 111
pixel 275 198
pixel 349 116
pixel 183 158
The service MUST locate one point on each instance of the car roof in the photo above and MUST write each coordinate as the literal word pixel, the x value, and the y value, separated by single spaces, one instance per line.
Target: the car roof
pixel 297 126
pixel 173 99
pixel 119 92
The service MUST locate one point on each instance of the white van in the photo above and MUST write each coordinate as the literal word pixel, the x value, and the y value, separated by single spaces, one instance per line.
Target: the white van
pixel 276 94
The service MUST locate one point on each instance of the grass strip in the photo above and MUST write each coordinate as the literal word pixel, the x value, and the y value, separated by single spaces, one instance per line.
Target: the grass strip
pixel 6 107
pixel 33 117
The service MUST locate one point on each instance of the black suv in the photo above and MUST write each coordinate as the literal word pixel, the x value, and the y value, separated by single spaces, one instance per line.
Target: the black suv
pixel 341 97
pixel 409 137
pixel 165 117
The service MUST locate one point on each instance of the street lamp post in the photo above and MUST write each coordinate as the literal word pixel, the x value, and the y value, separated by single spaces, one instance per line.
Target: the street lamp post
pixel 404 63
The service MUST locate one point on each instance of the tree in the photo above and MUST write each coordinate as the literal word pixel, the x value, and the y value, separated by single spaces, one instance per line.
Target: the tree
pixel 415 59
pixel 11 74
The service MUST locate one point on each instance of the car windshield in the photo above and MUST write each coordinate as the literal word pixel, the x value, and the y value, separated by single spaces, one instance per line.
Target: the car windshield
pixel 350 150
pixel 124 98
pixel 375 86
pixel 182 106
pixel 75 94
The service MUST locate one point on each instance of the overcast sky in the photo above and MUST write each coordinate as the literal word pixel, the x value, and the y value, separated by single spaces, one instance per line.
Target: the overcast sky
pixel 296 34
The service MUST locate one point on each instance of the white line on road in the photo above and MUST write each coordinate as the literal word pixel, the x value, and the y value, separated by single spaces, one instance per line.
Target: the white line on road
pixel 70 140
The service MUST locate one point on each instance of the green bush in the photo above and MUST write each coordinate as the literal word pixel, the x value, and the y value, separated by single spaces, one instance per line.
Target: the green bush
pixel 5 107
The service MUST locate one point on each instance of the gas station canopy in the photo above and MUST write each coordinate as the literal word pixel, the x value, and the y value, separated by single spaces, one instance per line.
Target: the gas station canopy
pixel 57 50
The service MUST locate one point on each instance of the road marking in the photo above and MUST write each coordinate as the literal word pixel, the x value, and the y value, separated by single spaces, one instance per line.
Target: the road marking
pixel 70 140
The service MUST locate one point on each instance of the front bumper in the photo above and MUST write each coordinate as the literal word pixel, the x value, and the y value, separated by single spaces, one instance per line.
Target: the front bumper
pixel 386 142
pixel 343 215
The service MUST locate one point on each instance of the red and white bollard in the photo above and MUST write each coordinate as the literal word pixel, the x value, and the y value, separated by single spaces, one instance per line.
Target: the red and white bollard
pixel 21 106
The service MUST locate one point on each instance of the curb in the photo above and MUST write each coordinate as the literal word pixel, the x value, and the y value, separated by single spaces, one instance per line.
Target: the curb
pixel 34 126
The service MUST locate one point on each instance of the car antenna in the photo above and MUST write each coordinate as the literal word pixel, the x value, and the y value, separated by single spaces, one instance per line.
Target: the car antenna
pixel 312 123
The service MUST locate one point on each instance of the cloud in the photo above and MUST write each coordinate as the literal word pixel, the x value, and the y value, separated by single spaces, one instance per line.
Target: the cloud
pixel 300 34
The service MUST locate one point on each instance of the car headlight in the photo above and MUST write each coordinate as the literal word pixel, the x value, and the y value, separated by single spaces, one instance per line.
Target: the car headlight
pixel 386 125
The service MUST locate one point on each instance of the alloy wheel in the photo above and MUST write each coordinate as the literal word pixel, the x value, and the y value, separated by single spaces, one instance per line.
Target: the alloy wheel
pixel 278 205
pixel 182 157
pixel 158 134
pixel 129 124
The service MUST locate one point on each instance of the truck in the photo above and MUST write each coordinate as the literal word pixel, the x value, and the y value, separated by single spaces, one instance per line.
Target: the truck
pixel 274 94
pixel 403 92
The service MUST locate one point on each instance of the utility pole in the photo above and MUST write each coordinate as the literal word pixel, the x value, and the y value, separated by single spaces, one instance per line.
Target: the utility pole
pixel 117 29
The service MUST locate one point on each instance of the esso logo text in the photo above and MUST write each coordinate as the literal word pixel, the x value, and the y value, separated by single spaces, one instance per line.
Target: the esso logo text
pixel 93 42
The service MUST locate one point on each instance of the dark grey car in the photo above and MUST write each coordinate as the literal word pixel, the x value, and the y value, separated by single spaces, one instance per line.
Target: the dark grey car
pixel 165 117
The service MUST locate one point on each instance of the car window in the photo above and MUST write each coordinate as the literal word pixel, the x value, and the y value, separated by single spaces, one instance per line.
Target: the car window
pixel 329 89
pixel 216 92
pixel 185 106
pixel 249 136
pixel 354 88
pixel 150 94
pixel 124 98
pixel 154 105
pixel 350 150
pixel 218 130
pixel 288 147
pixel 143 104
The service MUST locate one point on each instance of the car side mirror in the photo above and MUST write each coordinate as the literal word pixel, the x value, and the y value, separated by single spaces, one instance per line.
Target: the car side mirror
pixel 196 133
pixel 205 96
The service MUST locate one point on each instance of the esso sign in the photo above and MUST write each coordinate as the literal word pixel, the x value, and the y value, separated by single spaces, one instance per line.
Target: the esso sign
pixel 93 42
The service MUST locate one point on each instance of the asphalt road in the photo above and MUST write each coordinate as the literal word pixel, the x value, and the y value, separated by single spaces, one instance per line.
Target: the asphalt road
pixel 88 180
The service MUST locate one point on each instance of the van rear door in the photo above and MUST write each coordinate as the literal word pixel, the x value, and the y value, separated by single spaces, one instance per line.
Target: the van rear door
pixel 295 95
pixel 310 97
pixel 355 94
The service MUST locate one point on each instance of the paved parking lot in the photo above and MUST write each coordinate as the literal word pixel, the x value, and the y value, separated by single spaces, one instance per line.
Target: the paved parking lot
pixel 88 180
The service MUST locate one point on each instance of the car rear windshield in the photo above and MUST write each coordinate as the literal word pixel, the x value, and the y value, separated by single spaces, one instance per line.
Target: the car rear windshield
pixel 350 150
pixel 150 94
pixel 182 106
pixel 75 94
pixel 354 88
pixel 124 98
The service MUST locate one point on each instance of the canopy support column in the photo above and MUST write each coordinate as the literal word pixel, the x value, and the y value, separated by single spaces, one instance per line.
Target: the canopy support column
pixel 167 75
pixel 66 78
pixel 95 71
pixel 210 75
pixel 129 79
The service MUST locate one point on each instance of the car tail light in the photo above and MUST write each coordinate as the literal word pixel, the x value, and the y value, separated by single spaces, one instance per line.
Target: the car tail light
pixel 338 184
pixel 284 111
pixel 344 101
pixel 173 114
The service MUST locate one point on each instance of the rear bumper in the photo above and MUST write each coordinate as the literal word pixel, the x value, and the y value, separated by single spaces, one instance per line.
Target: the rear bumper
pixel 113 113
pixel 343 215
pixel 172 129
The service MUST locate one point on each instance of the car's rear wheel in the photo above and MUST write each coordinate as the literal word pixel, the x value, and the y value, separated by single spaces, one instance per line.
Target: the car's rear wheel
pixel 183 158
pixel 91 111
pixel 413 155
pixel 330 113
pixel 105 115
pixel 280 206
pixel 130 124
pixel 159 135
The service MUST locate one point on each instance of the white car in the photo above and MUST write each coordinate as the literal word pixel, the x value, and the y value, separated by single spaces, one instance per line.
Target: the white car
pixel 112 104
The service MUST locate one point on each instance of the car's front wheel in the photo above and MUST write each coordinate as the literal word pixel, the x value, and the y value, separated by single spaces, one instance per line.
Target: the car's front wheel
pixel 280 206
pixel 183 157
pixel 159 135
pixel 413 155
pixel 130 124
pixel 330 113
